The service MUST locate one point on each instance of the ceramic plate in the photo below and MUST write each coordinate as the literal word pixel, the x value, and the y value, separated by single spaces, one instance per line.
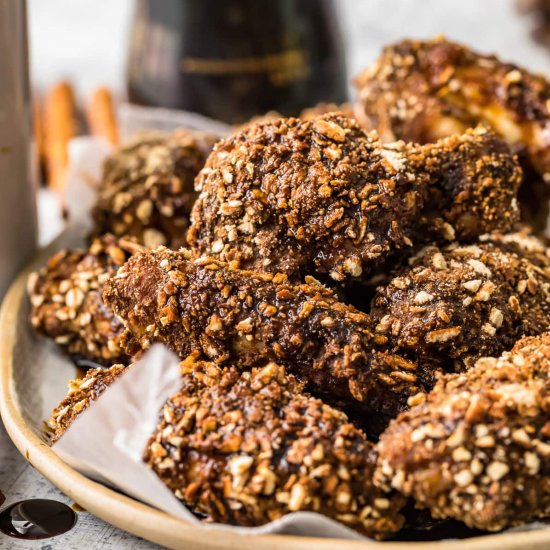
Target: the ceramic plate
pixel 29 389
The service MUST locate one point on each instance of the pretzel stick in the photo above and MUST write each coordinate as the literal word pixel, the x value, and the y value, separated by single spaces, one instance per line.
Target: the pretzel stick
pixel 101 116
pixel 59 127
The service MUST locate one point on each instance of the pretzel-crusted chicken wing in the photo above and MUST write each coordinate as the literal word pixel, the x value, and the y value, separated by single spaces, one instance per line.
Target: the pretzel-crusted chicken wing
pixel 421 91
pixel 248 318
pixel 322 197
pixel 146 190
pixel 455 304
pixel 245 448
pixel 477 449
pixel 67 304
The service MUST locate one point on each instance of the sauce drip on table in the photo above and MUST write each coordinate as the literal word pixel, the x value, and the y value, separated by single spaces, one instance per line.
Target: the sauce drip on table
pixel 36 519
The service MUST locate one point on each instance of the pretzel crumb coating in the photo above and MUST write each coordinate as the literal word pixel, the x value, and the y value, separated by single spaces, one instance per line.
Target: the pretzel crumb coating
pixel 146 190
pixel 523 243
pixel 246 448
pixel 322 197
pixel 345 109
pixel 477 448
pixel 455 304
pixel 421 91
pixel 66 300
pixel 293 196
pixel 473 186
pixel 248 318
pixel 82 393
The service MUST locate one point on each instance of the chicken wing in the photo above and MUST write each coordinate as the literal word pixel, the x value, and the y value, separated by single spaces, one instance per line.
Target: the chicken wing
pixel 322 197
pixel 245 448
pixel 477 449
pixel 421 91
pixel 67 304
pixel 455 304
pixel 146 190
pixel 248 318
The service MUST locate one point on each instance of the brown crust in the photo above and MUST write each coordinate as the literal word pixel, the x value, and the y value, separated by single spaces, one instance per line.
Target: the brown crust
pixel 247 448
pixel 478 448
pixel 322 197
pixel 452 305
pixel 423 90
pixel 248 318
pixel 523 243
pixel 323 108
pixel 293 196
pixel 473 184
pixel 82 393
pixel 146 190
pixel 67 304
pixel 306 114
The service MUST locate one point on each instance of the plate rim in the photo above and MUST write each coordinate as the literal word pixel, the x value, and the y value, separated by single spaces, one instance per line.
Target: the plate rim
pixel 147 522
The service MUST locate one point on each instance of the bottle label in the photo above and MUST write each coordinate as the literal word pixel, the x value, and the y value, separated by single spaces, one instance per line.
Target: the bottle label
pixel 281 68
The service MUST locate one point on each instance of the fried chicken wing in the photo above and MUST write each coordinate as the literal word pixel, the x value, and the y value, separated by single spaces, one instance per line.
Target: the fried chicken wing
pixel 421 91
pixel 146 190
pixel 248 318
pixel 67 304
pixel 478 448
pixel 245 448
pixel 452 305
pixel 322 197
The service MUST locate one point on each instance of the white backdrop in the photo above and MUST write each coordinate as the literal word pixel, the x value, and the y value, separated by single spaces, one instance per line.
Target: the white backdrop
pixel 85 40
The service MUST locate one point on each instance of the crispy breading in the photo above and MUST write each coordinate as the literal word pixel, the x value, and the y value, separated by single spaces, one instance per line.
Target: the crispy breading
pixel 421 91
pixel 477 448
pixel 247 318
pixel 245 448
pixel 146 190
pixel 82 393
pixel 67 304
pixel 322 197
pixel 323 108
pixel 523 243
pixel 454 304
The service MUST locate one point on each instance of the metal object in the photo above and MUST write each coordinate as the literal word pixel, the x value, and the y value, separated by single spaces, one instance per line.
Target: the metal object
pixel 18 227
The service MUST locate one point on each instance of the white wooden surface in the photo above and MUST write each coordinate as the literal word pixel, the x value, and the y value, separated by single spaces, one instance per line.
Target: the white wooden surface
pixel 19 481
pixel 85 40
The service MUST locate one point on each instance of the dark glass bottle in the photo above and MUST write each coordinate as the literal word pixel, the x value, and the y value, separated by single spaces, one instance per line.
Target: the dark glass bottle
pixel 233 59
